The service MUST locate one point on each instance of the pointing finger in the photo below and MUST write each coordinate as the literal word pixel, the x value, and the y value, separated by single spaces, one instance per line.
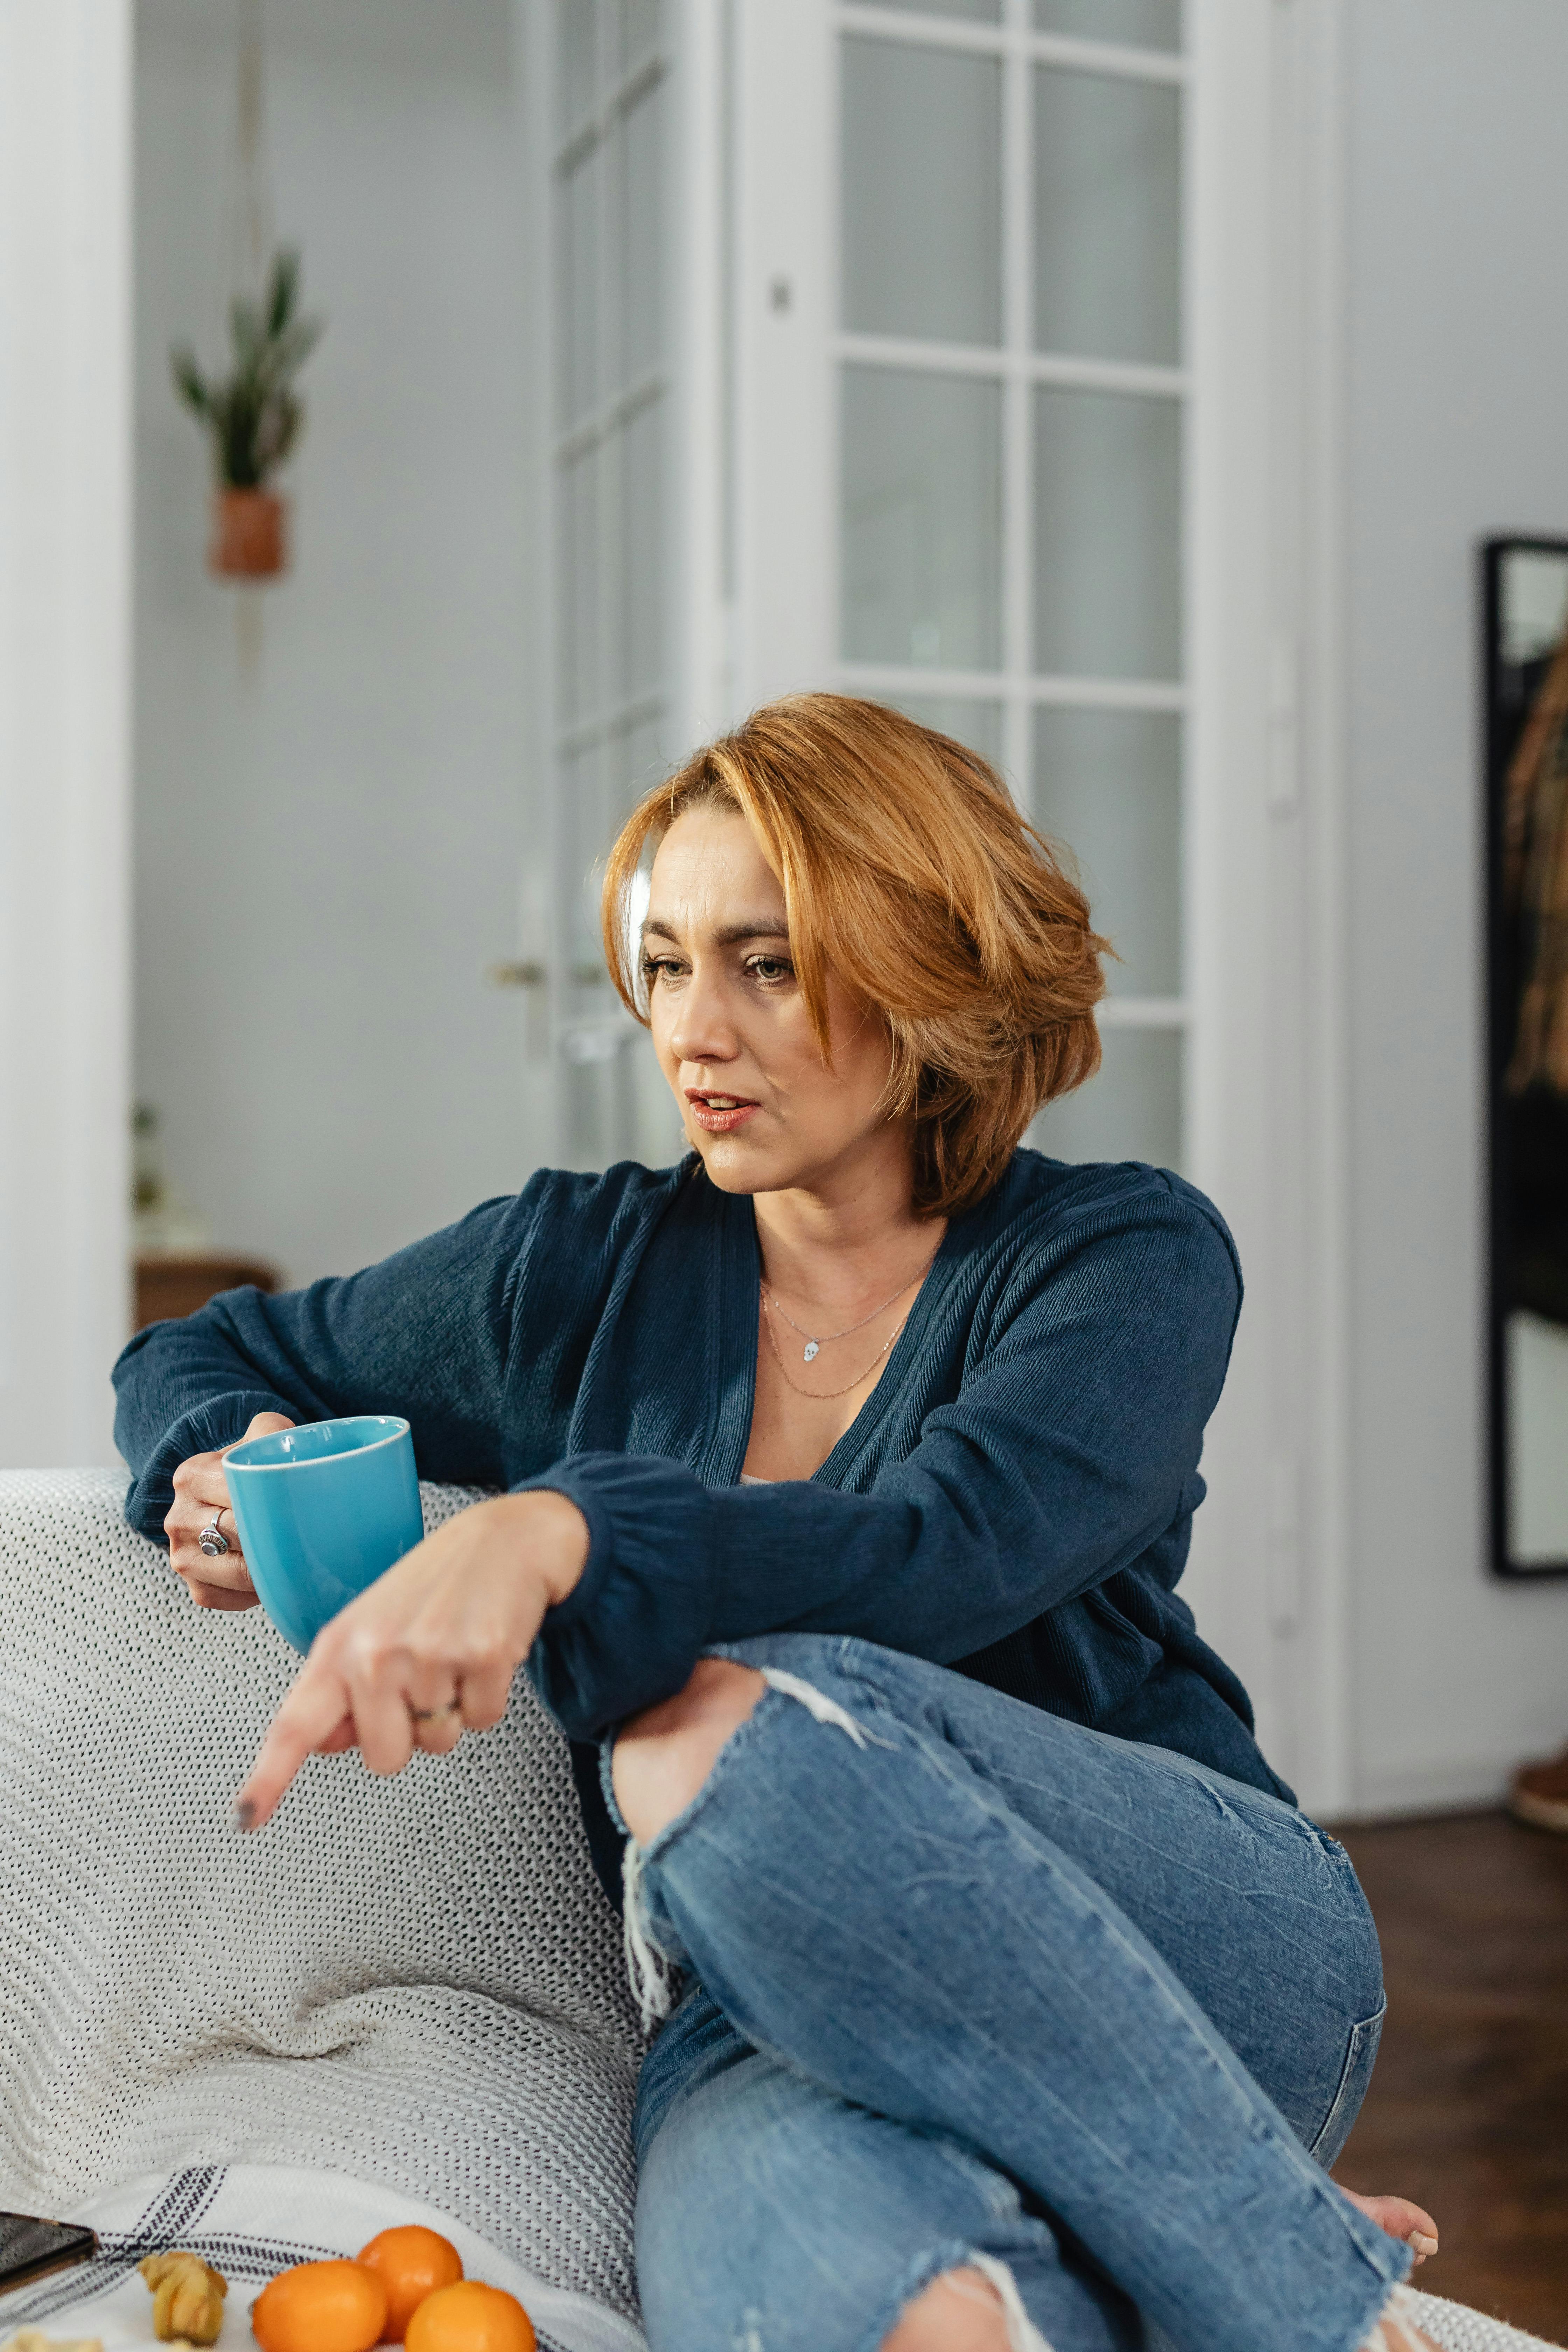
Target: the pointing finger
pixel 312 1713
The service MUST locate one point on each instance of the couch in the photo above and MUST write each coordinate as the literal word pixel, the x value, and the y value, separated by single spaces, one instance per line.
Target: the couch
pixel 405 1997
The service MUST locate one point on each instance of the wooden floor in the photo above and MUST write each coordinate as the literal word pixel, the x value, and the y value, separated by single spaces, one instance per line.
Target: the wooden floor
pixel 1468 2111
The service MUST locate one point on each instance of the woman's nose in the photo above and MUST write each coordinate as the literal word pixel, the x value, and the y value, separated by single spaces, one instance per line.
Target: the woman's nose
pixel 702 1030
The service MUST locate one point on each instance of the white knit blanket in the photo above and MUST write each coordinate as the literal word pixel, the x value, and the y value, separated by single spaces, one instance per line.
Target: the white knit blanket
pixel 414 1982
pixel 1459 2329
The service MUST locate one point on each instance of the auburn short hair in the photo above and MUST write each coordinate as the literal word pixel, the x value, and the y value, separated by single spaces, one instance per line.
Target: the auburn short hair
pixel 907 866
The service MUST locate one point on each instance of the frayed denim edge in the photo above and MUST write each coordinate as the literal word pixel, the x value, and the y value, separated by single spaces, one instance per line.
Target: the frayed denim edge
pixel 651 1970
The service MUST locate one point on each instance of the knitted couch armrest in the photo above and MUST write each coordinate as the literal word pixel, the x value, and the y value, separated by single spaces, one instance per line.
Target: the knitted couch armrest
pixel 413 1980
pixel 1459 2329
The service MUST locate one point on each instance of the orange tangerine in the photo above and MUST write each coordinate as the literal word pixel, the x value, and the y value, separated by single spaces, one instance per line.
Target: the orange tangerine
pixel 338 2306
pixel 469 2317
pixel 411 2263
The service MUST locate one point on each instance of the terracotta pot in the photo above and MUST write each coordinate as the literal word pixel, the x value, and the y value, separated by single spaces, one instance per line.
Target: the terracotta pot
pixel 249 534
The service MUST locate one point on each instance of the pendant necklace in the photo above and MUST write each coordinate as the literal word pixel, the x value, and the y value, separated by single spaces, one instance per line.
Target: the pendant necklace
pixel 813 1346
pixel 823 1396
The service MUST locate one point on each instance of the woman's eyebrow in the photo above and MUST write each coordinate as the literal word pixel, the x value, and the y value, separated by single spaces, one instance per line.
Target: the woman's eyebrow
pixel 729 935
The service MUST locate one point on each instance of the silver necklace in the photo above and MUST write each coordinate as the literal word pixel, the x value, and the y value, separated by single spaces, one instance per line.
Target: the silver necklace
pixel 814 1345
pixel 823 1396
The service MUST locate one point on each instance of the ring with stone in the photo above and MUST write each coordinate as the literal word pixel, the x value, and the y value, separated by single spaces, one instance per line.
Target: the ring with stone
pixel 434 1713
pixel 212 1540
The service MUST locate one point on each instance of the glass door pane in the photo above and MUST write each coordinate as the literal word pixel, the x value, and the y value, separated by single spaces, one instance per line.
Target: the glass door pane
pixel 977 12
pixel 921 518
pixel 1108 534
pixel 975 724
pixel 612 555
pixel 577 632
pixel 1108 217
pixel 1144 24
pixel 576 62
pixel 1131 1110
pixel 921 192
pixel 578 227
pixel 1109 783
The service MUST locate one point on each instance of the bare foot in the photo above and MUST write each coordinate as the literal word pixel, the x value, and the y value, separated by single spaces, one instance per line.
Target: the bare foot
pixel 1402 2219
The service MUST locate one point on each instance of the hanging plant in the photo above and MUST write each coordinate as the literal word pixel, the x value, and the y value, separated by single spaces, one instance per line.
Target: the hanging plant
pixel 253 419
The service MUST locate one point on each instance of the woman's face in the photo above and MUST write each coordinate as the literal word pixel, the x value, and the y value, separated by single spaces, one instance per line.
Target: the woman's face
pixel 730 1024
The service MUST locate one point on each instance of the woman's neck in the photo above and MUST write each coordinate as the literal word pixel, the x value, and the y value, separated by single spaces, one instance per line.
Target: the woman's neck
pixel 851 1237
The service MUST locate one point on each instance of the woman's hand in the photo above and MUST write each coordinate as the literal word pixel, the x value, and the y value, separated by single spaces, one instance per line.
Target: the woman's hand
pixel 201 1494
pixel 428 1652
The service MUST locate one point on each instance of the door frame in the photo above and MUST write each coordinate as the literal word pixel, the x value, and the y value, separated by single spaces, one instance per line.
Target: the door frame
pixel 1270 880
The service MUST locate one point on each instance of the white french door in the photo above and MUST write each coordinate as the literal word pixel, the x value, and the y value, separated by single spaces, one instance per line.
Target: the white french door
pixel 963 386
pixel 993 379
pixel 943 336
pixel 1012 488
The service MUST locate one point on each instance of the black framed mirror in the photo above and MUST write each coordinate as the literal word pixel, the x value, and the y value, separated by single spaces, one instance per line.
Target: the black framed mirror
pixel 1526 683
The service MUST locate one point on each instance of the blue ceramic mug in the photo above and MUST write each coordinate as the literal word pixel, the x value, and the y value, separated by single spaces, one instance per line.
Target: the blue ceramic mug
pixel 322 1511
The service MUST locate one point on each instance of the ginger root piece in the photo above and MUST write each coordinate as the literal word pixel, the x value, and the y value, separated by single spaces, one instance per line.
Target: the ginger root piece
pixel 187 2297
pixel 33 2339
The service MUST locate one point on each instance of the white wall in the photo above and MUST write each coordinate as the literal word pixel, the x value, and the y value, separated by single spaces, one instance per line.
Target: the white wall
pixel 65 513
pixel 328 854
pixel 1458 420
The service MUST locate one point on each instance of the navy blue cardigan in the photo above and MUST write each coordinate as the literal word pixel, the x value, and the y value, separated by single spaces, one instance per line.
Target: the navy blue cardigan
pixel 1014 1498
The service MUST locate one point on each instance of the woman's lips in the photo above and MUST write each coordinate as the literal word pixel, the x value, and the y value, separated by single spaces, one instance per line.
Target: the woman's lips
pixel 720 1114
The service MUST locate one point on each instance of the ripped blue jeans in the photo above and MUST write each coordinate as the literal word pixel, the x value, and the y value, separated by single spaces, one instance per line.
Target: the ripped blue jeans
pixel 973 1984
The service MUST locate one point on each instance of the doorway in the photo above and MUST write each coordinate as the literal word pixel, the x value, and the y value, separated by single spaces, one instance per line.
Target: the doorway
pixel 334 771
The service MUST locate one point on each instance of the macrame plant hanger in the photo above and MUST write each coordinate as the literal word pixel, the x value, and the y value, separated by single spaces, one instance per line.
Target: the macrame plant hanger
pixel 251 413
pixel 250 242
pixel 251 208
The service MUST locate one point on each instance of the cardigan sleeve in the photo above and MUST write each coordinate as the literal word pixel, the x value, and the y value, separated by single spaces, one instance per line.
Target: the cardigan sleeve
pixel 1071 1447
pixel 424 1333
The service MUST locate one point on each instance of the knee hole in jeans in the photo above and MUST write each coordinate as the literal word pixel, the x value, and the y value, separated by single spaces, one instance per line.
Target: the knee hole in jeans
pixel 975 2308
pixel 663 1756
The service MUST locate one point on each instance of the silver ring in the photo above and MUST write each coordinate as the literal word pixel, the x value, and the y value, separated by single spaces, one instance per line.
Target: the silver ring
pixel 212 1540
pixel 434 1713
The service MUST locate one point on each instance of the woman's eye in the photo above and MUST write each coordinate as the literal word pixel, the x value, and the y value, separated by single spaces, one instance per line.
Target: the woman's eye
pixel 654 966
pixel 769 968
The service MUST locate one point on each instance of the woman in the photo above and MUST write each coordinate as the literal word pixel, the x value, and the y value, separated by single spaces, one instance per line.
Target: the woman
pixel 849 1472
